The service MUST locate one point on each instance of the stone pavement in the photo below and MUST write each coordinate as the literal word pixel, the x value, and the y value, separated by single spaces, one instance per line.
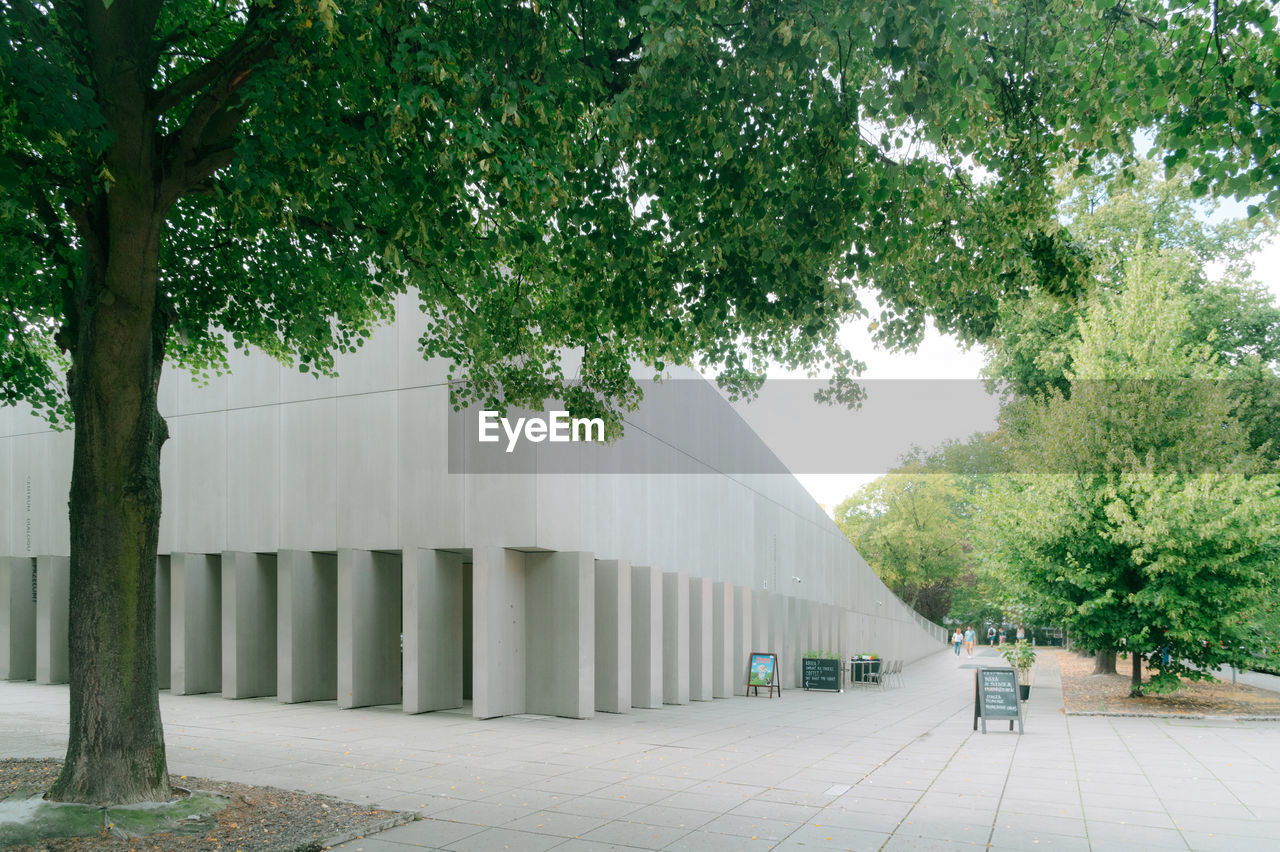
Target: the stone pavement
pixel 893 769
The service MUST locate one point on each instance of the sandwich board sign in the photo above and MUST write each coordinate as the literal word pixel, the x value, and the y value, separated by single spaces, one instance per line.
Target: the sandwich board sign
pixel 763 671
pixel 995 696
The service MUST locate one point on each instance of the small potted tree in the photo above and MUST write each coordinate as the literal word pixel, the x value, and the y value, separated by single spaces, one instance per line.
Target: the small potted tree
pixel 1022 657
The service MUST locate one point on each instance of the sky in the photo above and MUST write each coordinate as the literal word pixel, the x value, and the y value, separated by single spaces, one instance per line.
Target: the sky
pixel 941 357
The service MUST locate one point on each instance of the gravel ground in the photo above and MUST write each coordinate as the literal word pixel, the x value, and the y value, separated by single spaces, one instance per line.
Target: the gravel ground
pixel 1085 692
pixel 259 819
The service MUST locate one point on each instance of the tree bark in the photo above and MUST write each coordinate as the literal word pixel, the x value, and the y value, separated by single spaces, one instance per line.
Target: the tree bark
pixel 1135 677
pixel 115 750
pixel 115 333
pixel 1104 662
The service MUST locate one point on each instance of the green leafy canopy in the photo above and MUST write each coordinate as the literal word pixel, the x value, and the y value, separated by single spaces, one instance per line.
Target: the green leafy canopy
pixel 663 182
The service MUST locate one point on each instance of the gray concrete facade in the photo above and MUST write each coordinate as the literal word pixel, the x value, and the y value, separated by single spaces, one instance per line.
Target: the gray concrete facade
pixel 398 579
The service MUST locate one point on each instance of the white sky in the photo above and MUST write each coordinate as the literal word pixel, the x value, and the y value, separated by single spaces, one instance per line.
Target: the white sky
pixel 940 357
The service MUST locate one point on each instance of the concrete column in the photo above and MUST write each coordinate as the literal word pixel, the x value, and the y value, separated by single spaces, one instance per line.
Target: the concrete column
pixel 306 626
pixel 195 587
pixel 675 637
pixel 646 637
pixel 369 612
pixel 53 609
pixel 613 635
pixel 723 647
pixel 560 603
pixel 248 624
pixel 700 639
pixel 432 619
pixel 761 618
pixel 797 632
pixel 164 622
pixel 743 634
pixel 498 630
pixel 17 618
pixel 779 627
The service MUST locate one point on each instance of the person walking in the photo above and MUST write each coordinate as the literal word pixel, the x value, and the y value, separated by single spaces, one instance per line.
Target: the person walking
pixel 991 635
pixel 969 638
pixel 957 639
pixel 1001 635
pixel 1022 634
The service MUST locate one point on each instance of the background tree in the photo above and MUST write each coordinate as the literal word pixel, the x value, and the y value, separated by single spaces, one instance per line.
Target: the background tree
pixel 1111 216
pixel 652 181
pixel 1139 521
pixel 912 528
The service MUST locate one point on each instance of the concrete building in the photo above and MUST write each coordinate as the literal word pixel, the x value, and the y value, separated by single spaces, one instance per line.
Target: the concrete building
pixel 315 546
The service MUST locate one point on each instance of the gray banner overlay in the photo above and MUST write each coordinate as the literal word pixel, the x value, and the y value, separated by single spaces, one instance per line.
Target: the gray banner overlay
pixel 686 426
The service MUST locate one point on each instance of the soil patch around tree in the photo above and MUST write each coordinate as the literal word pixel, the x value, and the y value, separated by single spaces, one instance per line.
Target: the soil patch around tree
pixel 262 819
pixel 1085 693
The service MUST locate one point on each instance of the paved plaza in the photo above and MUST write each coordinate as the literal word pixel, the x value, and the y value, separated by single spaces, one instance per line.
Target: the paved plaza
pixel 894 769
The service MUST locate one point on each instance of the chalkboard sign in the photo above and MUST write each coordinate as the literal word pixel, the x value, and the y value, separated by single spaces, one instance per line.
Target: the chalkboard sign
pixel 995 696
pixel 763 671
pixel 821 674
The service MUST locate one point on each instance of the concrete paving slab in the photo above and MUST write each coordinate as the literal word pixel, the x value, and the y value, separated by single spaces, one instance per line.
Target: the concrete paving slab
pixel 889 769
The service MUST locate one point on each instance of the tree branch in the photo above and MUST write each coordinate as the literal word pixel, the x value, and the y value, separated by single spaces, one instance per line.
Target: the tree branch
pixel 203 144
pixel 223 65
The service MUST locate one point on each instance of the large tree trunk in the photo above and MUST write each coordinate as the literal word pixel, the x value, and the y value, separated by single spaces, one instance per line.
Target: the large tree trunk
pixel 1104 662
pixel 116 337
pixel 115 751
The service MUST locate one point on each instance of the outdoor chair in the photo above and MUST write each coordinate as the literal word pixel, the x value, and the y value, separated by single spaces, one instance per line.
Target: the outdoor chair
pixel 896 674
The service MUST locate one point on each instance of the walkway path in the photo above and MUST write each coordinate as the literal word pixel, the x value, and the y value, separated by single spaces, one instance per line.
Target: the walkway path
pixel 893 769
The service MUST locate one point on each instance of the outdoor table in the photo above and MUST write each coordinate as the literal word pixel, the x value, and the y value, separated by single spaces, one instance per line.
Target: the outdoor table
pixel 859 669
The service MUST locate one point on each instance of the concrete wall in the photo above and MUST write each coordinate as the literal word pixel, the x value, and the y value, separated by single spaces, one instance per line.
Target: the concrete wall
pixel 345 483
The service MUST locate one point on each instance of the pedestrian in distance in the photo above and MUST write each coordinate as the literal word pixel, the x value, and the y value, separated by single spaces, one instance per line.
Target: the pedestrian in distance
pixel 969 638
pixel 1001 635
pixel 991 635
pixel 957 639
